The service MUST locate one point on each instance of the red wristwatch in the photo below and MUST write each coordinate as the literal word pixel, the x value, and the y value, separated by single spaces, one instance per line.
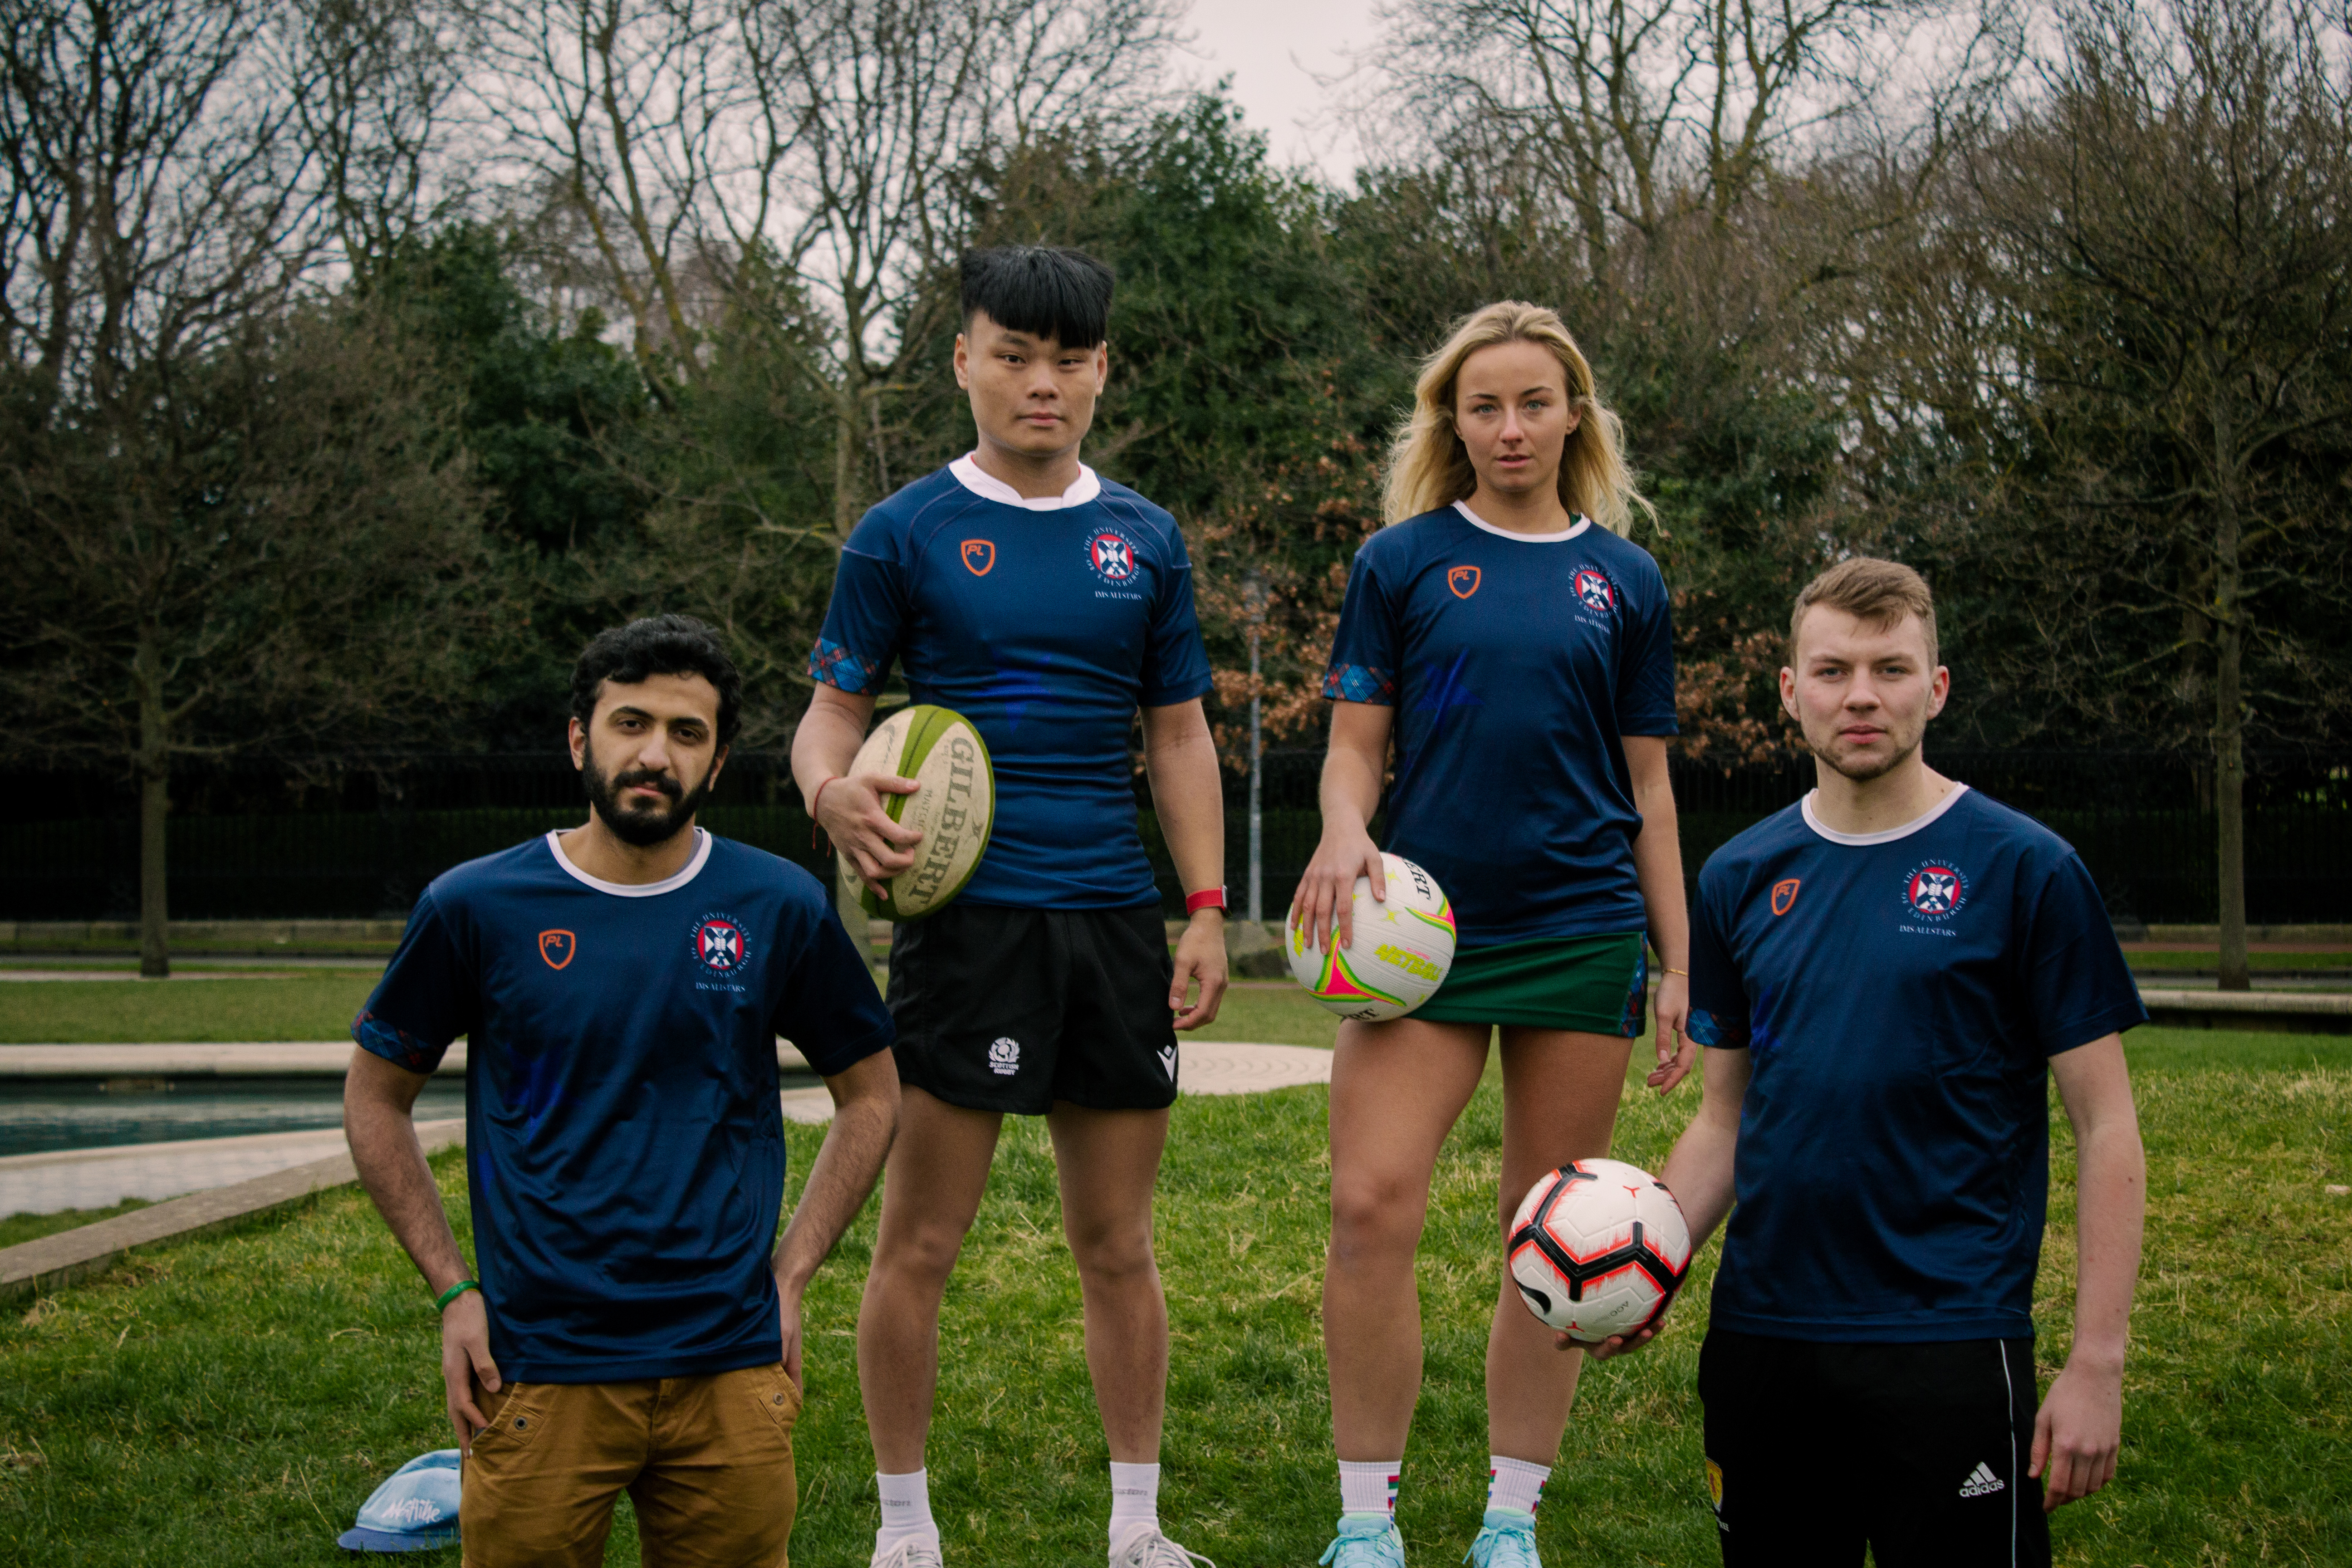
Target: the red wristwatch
pixel 1206 898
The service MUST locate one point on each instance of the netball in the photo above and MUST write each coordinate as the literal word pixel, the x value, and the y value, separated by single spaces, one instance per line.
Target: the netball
pixel 1403 946
pixel 1599 1248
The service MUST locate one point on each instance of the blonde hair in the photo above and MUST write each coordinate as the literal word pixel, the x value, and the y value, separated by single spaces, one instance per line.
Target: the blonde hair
pixel 1429 467
pixel 1874 592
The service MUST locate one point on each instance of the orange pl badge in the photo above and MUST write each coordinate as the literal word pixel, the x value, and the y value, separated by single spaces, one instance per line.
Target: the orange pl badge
pixel 979 555
pixel 557 947
pixel 1463 580
pixel 1784 895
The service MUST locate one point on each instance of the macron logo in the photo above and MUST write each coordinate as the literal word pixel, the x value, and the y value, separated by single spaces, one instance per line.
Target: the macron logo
pixel 1981 1482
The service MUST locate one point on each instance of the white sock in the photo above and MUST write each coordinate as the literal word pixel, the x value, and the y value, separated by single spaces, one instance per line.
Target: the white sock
pixel 1515 1483
pixel 906 1509
pixel 1368 1486
pixel 1134 1499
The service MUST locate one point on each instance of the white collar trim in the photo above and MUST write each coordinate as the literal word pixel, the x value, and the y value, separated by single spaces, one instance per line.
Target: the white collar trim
pixel 1579 526
pixel 974 478
pixel 1890 834
pixel 669 884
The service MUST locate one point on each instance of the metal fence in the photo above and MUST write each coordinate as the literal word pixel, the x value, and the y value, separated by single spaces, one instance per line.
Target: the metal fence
pixel 361 837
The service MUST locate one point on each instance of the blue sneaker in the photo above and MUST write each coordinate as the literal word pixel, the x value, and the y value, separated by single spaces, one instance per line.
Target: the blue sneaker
pixel 1366 1540
pixel 1509 1541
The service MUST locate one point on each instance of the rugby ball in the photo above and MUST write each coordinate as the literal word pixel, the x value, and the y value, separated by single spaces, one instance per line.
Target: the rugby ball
pixel 955 806
pixel 1400 950
pixel 1599 1248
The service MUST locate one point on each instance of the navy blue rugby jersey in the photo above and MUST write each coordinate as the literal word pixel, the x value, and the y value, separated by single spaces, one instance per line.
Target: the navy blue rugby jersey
pixel 1046 623
pixel 1900 994
pixel 623 1139
pixel 1517 664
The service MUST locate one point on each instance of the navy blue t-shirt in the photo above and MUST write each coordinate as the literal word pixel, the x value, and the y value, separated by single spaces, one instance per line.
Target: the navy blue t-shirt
pixel 1045 622
pixel 1518 664
pixel 623 1138
pixel 1900 994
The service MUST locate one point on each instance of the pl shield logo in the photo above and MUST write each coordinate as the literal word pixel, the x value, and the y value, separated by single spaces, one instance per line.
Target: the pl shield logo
pixel 1463 580
pixel 1784 895
pixel 1112 557
pixel 1935 891
pixel 1593 592
pixel 557 947
pixel 719 945
pixel 979 555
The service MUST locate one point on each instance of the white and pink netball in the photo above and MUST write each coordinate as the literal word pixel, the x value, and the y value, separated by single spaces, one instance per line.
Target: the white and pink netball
pixel 1599 1249
pixel 1400 950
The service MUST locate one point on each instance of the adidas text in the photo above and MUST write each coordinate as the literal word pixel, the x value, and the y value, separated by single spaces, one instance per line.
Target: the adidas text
pixel 1981 1482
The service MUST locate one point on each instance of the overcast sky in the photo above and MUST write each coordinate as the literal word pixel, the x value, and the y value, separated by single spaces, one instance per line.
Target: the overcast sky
pixel 1273 49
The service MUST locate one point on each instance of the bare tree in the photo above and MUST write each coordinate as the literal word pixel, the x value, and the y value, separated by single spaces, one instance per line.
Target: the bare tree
pixel 373 86
pixel 839 141
pixel 2165 255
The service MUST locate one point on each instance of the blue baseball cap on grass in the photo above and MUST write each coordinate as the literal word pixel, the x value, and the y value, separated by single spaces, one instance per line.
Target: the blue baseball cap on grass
pixel 415 1510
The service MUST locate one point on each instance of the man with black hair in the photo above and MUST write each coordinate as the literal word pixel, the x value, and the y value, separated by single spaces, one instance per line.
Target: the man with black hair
pixel 621 985
pixel 1047 606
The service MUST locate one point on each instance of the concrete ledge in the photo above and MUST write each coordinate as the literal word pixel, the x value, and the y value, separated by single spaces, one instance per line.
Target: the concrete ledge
pixel 2282 1012
pixel 230 1059
pixel 56 1261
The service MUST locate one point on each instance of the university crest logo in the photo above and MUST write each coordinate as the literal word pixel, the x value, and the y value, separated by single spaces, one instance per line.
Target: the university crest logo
pixel 1593 592
pixel 1463 580
pixel 1112 557
pixel 719 945
pixel 1935 891
pixel 557 947
pixel 979 555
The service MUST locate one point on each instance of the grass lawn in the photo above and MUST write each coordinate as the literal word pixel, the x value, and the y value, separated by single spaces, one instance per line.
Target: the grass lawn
pixel 231 1401
pixel 304 1004
pixel 2265 962
pixel 22 1227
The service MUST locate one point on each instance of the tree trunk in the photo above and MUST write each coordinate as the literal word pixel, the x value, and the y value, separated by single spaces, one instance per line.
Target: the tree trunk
pixel 847 438
pixel 2229 706
pixel 154 769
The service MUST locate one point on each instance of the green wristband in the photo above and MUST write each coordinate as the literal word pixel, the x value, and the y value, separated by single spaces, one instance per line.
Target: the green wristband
pixel 459 1289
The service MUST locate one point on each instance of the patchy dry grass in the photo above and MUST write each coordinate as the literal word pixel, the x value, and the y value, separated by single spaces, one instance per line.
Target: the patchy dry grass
pixel 231 1401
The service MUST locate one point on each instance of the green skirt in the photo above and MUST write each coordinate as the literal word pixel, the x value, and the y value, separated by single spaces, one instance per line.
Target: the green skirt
pixel 1596 985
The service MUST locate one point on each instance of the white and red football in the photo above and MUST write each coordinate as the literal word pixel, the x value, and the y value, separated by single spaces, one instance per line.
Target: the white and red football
pixel 1599 1249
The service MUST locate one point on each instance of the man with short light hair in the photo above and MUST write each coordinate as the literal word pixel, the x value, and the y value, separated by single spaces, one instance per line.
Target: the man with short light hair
pixel 633 1323
pixel 1885 977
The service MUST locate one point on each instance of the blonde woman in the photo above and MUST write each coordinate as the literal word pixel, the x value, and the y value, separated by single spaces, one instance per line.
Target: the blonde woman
pixel 1518 650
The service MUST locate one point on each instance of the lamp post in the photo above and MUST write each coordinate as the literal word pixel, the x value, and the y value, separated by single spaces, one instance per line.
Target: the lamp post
pixel 1253 597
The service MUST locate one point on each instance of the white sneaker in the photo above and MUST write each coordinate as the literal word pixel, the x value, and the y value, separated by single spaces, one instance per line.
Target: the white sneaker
pixel 915 1552
pixel 1145 1547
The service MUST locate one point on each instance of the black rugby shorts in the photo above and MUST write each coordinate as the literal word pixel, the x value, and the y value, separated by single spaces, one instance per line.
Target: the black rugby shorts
pixel 1918 1451
pixel 1006 1009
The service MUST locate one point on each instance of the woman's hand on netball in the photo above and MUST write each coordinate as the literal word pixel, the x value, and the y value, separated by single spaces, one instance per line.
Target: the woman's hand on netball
pixel 1326 900
pixel 1671 1014
pixel 851 811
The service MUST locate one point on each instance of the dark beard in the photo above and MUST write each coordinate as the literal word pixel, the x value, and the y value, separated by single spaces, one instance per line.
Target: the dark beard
pixel 643 827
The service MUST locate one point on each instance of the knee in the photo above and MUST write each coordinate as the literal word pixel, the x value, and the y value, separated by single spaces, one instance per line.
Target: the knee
pixel 1372 1220
pixel 921 1254
pixel 1113 1255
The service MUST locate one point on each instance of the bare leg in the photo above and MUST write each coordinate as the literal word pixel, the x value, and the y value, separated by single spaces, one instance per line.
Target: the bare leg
pixel 1397 1089
pixel 1107 1161
pixel 931 1189
pixel 1559 1103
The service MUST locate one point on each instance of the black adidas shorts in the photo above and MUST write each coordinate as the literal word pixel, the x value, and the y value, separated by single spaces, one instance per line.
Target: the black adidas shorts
pixel 1918 1450
pixel 1004 1009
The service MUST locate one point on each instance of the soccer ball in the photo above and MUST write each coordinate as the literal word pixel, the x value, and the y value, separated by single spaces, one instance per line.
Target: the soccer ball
pixel 1599 1249
pixel 1401 950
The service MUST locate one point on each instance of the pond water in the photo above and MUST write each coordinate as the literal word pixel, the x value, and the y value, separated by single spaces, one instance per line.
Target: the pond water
pixel 40 1116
